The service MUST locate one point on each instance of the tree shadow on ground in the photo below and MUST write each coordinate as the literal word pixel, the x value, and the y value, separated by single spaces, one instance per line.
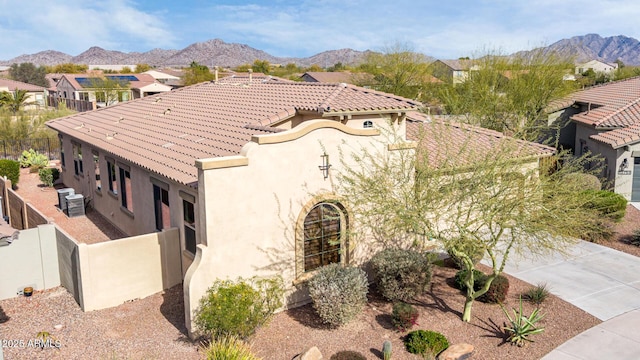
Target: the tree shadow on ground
pixel 494 330
pixel 307 316
pixel 172 308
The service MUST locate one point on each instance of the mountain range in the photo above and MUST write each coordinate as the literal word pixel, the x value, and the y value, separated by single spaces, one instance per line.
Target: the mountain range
pixel 218 52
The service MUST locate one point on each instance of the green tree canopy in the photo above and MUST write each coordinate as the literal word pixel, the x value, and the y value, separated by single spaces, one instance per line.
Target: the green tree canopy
pixel 197 73
pixel 140 68
pixel 67 68
pixel 14 101
pixel 509 94
pixel 29 73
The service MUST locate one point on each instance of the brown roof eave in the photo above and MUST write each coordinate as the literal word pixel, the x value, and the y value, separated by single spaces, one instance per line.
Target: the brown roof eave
pixel 368 112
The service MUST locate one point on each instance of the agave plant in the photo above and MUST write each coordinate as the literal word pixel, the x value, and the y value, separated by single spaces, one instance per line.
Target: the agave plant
pixel 522 326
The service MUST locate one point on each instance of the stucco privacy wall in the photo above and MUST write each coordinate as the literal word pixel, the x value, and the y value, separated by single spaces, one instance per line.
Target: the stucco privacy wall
pixel 117 271
pixel 251 208
pixel 69 265
pixel 31 260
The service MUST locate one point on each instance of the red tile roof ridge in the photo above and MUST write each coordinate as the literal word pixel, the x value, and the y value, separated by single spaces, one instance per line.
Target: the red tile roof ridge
pixel 325 106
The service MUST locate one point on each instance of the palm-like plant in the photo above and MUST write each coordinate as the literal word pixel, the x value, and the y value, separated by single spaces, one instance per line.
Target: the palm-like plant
pixel 521 326
pixel 14 101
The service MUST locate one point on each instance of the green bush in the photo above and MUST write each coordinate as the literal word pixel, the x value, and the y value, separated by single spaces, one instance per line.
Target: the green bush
pixel 478 277
pixel 583 181
pixel 611 205
pixel 48 176
pixel 238 308
pixel 338 293
pixel 404 316
pixel 425 342
pixel 401 274
pixel 497 292
pixel 10 169
pixel 602 229
pixel 228 348
pixel 33 158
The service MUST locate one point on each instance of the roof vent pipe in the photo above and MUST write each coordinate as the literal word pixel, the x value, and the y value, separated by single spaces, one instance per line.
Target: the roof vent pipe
pixel 250 74
pixel 215 72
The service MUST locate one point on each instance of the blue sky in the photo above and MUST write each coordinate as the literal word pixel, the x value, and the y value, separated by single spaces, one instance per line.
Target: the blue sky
pixel 443 29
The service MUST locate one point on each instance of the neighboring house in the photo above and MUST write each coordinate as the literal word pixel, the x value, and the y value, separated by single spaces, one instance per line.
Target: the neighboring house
pixel 35 94
pixel 244 167
pixel 87 87
pixel 598 67
pixel 171 78
pixel 328 77
pixel 452 71
pixel 605 120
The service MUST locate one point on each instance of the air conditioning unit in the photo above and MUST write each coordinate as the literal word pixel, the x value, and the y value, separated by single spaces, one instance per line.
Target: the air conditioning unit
pixel 75 205
pixel 62 194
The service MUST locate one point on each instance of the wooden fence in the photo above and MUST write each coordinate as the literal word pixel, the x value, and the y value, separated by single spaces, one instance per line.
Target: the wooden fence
pixel 77 105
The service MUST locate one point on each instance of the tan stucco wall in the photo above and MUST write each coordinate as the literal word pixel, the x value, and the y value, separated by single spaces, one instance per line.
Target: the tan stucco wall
pixel 613 159
pixel 117 271
pixel 31 260
pixel 251 211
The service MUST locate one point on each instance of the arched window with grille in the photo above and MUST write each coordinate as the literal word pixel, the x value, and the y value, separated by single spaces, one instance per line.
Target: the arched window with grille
pixel 325 227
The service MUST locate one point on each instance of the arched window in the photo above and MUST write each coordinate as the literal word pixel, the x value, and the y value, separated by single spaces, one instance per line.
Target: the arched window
pixel 367 124
pixel 324 235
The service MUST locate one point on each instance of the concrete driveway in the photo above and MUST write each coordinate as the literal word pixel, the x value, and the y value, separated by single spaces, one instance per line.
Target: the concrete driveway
pixel 601 281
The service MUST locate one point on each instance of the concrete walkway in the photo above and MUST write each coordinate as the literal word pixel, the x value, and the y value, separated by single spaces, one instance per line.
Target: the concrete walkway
pixel 601 281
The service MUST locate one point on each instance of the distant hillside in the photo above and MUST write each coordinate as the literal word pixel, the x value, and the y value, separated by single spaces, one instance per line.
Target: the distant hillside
pixel 210 53
pixel 593 46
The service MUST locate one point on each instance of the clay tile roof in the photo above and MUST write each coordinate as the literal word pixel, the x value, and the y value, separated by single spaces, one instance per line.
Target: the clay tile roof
pixel 330 76
pixel 468 142
pixel 612 105
pixel 458 64
pixel 619 137
pixel 167 133
pixel 18 85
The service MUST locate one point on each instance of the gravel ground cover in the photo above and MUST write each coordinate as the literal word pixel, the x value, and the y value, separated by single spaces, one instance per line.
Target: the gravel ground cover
pixel 153 327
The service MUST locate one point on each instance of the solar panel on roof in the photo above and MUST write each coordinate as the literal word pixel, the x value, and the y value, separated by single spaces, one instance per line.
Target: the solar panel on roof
pixel 94 82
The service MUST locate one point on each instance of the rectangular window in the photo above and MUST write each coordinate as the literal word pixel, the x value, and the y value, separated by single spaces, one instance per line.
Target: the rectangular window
pixel 101 96
pixel 123 96
pixel 61 151
pixel 96 170
pixel 84 96
pixel 77 159
pixel 161 205
pixel 126 196
pixel 189 226
pixel 111 173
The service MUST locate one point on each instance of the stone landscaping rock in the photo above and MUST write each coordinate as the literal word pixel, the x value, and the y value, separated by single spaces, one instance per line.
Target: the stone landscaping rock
pixel 460 351
pixel 312 353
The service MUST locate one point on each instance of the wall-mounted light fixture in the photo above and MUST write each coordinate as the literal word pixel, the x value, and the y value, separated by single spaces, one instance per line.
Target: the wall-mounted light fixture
pixel 325 165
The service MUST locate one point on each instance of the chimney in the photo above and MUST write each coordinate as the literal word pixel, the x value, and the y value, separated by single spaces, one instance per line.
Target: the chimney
pixel 250 74
pixel 215 72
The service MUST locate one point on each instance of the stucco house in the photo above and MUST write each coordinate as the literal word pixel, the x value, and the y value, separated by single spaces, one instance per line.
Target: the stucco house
pixel 597 66
pixel 244 167
pixel 87 87
pixel 605 120
pixel 35 94
pixel 453 71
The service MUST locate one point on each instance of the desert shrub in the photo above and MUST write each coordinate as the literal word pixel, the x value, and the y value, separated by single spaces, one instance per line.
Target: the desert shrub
pixel 228 348
pixel 401 274
pixel 478 277
pixel 497 291
pixel 48 175
pixel 404 316
pixel 635 238
pixel 338 293
pixel 520 326
pixel 583 181
pixel 469 248
pixel 425 342
pixel 601 229
pixel 33 159
pixel 10 169
pixel 611 205
pixel 238 308
pixel 348 355
pixel 537 294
